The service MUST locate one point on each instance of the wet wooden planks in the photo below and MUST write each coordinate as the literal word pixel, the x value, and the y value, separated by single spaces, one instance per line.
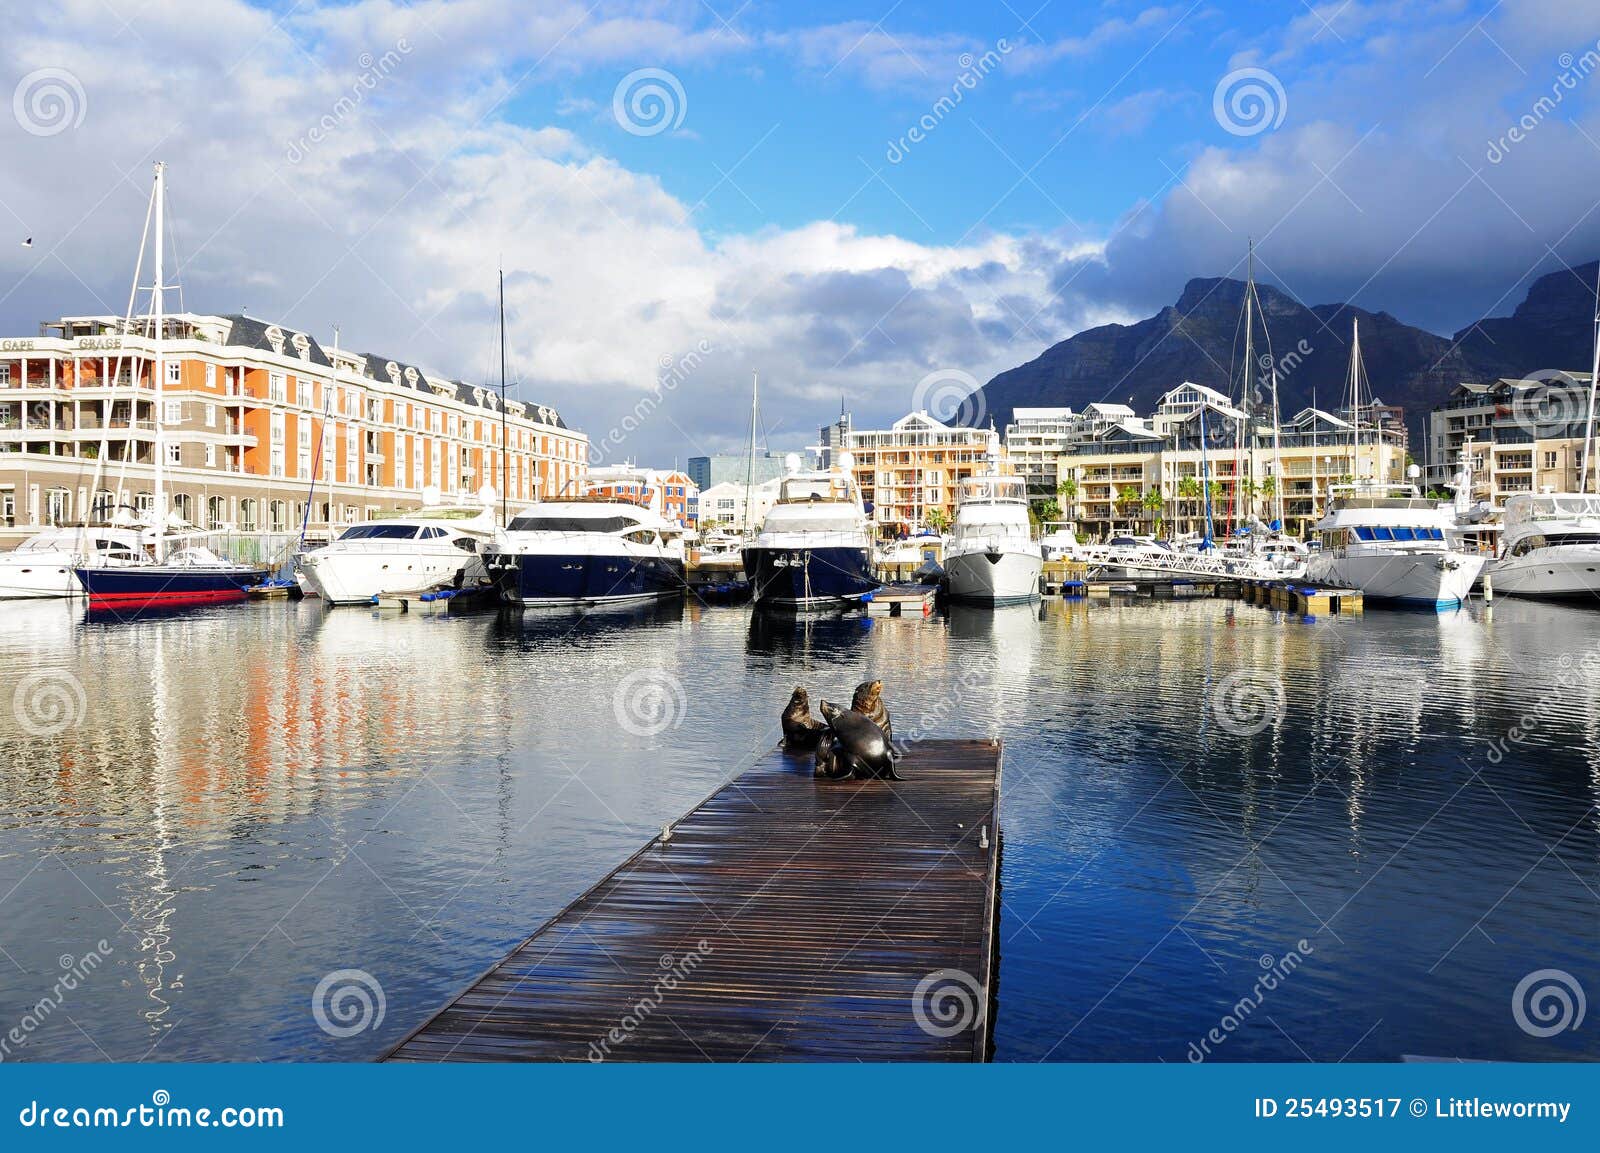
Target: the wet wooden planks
pixel 785 919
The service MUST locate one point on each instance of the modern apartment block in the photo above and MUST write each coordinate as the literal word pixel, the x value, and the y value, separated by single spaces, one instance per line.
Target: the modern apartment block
pixel 260 421
pixel 1149 475
pixel 1522 436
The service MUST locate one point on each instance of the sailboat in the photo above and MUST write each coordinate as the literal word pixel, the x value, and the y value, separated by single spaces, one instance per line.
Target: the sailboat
pixel 193 574
pixel 1386 539
pixel 1551 540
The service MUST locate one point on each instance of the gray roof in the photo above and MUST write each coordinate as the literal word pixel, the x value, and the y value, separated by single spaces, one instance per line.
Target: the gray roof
pixel 253 333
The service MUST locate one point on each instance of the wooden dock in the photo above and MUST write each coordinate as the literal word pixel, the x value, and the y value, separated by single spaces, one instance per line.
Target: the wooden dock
pixel 1303 599
pixel 901 600
pixel 784 918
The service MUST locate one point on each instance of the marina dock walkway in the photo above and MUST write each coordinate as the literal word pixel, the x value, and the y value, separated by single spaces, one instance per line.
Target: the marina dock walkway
pixel 785 918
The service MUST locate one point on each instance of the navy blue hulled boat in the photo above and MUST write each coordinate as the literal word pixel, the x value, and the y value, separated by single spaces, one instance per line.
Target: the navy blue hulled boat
pixel 814 547
pixel 193 576
pixel 591 550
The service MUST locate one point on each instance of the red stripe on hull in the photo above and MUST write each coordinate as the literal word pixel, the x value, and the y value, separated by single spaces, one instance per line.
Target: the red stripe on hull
pixel 141 600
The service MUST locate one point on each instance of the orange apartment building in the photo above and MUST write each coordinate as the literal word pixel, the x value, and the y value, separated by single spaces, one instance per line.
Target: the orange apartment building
pixel 680 496
pixel 253 414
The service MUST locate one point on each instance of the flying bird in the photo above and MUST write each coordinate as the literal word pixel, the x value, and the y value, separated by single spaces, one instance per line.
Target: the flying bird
pixel 28 243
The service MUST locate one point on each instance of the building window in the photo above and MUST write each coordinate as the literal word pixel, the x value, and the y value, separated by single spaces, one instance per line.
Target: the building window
pixel 302 393
pixel 174 454
pixel 304 465
pixel 172 412
pixel 211 416
pixel 211 376
pixel 5 374
pixel 216 512
pixel 174 372
pixel 277 460
pixel 277 386
pixel 277 428
pixel 211 456
pixel 247 515
pixel 1549 460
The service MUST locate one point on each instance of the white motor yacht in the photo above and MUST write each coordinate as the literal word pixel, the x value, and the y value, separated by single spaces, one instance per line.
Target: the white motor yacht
pixel 992 556
pixel 1393 545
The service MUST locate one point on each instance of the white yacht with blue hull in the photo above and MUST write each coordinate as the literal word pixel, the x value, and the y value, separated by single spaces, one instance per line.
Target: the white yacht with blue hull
pixel 815 547
pixel 587 551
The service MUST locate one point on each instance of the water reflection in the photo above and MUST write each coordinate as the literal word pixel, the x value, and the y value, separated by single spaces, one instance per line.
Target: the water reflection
pixel 255 796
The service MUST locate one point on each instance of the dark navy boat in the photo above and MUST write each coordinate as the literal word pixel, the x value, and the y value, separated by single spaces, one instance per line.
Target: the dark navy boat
pixel 591 550
pixel 814 547
pixel 193 576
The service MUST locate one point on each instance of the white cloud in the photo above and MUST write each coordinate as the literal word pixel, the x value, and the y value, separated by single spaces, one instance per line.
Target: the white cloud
pixel 389 220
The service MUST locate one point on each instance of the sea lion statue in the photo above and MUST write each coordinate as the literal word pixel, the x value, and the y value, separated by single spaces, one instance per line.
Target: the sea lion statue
pixel 801 730
pixel 827 764
pixel 868 701
pixel 862 749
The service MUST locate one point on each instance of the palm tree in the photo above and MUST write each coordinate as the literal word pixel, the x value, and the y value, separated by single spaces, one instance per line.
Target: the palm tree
pixel 1067 490
pixel 1189 491
pixel 936 519
pixel 1153 503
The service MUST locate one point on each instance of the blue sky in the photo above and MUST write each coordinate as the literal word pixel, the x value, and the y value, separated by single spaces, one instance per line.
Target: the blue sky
pixel 368 163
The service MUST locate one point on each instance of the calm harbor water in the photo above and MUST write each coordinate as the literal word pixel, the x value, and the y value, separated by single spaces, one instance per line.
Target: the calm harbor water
pixel 243 800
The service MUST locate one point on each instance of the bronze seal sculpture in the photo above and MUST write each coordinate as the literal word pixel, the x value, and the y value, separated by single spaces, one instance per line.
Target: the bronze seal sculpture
pixel 860 748
pixel 801 730
pixel 868 701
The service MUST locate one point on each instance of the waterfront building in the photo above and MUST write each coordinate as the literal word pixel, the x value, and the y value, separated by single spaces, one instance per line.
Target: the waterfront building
pixel 1522 436
pixel 680 496
pixel 1034 440
pixel 724 506
pixel 1147 475
pixel 911 471
pixel 253 413
pixel 737 467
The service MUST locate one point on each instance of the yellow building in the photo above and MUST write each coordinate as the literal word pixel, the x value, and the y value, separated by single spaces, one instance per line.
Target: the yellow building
pixel 911 472
pixel 1147 475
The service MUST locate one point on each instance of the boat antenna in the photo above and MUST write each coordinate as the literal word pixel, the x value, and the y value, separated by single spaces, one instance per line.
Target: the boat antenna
pixel 1594 379
pixel 505 446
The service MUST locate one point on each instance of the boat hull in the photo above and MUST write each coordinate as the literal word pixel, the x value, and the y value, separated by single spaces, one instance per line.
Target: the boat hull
pixel 1005 577
pixel 584 579
pixel 1551 574
pixel 142 586
pixel 801 577
pixel 1402 578
pixel 41 576
pixel 354 578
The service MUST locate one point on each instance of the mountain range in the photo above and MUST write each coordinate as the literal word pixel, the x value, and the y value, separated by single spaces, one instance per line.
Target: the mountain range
pixel 1199 339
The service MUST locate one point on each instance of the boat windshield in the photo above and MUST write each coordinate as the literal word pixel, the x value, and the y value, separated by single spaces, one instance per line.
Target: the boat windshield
pixel 993 488
pixel 1397 533
pixel 571 523
pixel 805 489
pixel 1553 506
pixel 380 532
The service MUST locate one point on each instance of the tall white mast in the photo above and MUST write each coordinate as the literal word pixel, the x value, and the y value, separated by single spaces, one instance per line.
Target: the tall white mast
pixel 157 311
pixel 750 460
pixel 1594 380
pixel 1242 449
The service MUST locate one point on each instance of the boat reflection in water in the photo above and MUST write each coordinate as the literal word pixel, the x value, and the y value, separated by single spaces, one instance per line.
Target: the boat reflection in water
pixel 261 798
